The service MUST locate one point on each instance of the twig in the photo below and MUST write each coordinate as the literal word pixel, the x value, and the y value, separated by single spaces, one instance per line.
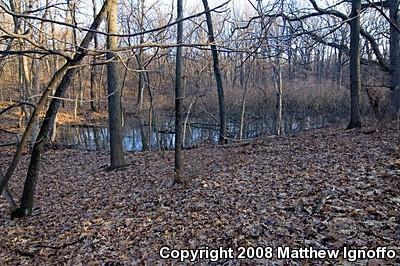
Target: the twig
pixel 25 253
pixel 61 246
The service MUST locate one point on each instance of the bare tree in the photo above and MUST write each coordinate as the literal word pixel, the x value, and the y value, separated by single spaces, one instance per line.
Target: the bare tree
pixel 395 55
pixel 93 71
pixel 45 129
pixel 355 68
pixel 178 96
pixel 217 74
pixel 114 86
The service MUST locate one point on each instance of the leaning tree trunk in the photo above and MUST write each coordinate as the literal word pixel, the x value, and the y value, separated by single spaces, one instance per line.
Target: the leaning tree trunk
pixel 355 75
pixel 178 96
pixel 42 138
pixel 117 159
pixel 31 126
pixel 6 192
pixel 395 57
pixel 44 133
pixel 217 73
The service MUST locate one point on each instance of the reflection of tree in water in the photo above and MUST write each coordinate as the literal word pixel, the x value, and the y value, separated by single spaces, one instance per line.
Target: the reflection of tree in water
pixel 198 133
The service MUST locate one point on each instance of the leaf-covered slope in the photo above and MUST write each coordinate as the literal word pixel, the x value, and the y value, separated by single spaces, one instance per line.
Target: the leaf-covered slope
pixel 325 189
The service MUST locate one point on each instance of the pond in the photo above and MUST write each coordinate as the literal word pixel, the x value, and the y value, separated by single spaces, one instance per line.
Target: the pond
pixel 139 137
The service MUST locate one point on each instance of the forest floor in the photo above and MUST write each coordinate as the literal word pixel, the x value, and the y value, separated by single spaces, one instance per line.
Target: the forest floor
pixel 326 189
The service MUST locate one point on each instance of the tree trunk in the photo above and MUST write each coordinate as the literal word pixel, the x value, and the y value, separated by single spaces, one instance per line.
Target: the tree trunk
pixel 217 74
pixel 355 75
pixel 54 130
pixel 279 96
pixel 242 112
pixel 339 68
pixel 42 138
pixel 31 126
pixel 7 194
pixel 395 57
pixel 178 97
pixel 114 91
pixel 93 70
pixel 93 87
pixel 193 102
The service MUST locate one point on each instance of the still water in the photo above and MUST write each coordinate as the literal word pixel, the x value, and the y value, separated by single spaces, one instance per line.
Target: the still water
pixel 138 138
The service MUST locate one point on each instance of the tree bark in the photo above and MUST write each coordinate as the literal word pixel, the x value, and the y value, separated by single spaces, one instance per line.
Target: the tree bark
pixel 7 194
pixel 355 69
pixel 178 97
pixel 394 57
pixel 42 138
pixel 142 83
pixel 339 66
pixel 93 70
pixel 31 126
pixel 117 159
pixel 217 74
pixel 243 111
pixel 278 82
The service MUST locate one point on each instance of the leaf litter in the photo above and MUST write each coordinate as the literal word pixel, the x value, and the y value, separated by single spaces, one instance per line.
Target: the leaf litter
pixel 324 188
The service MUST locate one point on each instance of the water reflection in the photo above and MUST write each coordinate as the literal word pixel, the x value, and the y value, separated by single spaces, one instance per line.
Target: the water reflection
pixel 136 136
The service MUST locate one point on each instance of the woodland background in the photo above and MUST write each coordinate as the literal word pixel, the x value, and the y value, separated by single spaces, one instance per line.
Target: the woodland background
pixel 239 91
